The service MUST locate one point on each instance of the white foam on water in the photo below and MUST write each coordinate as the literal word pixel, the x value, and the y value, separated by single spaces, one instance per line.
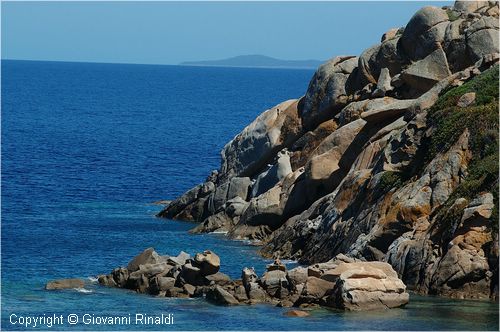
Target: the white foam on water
pixel 92 279
pixel 83 290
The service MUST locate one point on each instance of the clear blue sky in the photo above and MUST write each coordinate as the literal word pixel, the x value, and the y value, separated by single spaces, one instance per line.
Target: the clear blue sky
pixel 171 32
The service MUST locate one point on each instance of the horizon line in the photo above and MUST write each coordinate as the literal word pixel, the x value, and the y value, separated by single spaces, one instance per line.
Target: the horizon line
pixel 162 64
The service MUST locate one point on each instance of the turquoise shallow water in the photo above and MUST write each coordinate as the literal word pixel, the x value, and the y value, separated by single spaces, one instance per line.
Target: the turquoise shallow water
pixel 25 295
pixel 87 147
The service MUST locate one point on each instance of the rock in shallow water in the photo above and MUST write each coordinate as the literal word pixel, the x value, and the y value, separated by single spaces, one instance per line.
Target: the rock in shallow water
pixel 219 295
pixel 64 284
pixel 148 256
pixel 296 313
pixel 368 286
pixel 208 262
pixel 339 283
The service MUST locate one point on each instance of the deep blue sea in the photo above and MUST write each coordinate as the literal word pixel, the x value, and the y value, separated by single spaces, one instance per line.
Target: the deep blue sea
pixel 86 149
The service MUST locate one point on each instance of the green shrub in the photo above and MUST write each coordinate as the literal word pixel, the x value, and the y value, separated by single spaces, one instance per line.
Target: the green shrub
pixel 485 86
pixel 452 16
pixel 390 180
pixel 449 122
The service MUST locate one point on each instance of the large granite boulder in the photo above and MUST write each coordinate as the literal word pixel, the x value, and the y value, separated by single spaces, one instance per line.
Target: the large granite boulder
pixel 236 207
pixel 455 46
pixel 263 210
pixel 160 284
pixel 371 64
pixel 423 29
pixel 326 90
pixel 219 222
pixel 239 187
pixel 275 283
pixel 468 7
pixel 149 270
pixel 217 200
pixel 364 287
pixel 305 145
pixel 424 74
pixel 208 262
pixel 325 159
pixel 148 256
pixel 315 289
pixel 220 296
pixel 180 259
pixel 353 111
pixel 482 38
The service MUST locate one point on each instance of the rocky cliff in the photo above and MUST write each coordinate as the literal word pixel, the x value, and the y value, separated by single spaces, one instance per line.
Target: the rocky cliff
pixel 389 156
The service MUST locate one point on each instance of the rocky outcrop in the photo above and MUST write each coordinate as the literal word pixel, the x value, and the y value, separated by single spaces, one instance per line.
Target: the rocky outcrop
pixel 64 284
pixel 257 144
pixel 389 156
pixel 344 284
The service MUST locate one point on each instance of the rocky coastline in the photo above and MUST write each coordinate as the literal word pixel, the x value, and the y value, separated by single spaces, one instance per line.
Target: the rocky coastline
pixel 341 283
pixel 390 156
pixel 382 179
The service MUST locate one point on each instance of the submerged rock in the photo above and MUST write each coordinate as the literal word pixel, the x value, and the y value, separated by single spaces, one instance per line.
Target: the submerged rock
pixel 296 313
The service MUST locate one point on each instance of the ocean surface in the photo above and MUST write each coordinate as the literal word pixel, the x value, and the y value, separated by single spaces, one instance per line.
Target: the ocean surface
pixel 86 149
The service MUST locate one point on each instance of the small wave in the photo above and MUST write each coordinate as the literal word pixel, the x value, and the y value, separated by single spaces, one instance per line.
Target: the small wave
pixel 289 261
pixel 83 290
pixel 92 279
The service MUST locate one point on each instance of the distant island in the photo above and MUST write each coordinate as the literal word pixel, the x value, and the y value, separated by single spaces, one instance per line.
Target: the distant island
pixel 261 61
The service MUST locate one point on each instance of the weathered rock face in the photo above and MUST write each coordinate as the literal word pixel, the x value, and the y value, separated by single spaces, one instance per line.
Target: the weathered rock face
pixel 269 178
pixel 375 285
pixel 327 90
pixel 424 74
pixel 192 205
pixel 219 222
pixel 482 38
pixel 375 161
pixel 257 144
pixel 366 286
